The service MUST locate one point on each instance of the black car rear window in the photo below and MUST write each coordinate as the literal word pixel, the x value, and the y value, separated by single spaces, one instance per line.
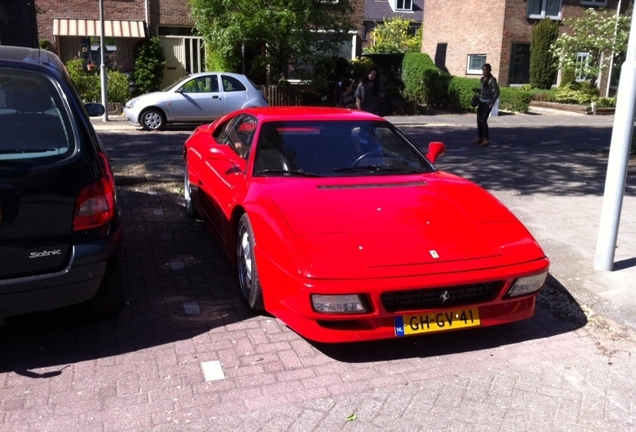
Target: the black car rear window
pixel 34 122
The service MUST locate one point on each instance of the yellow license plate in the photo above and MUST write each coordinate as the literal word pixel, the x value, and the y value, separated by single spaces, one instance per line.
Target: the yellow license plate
pixel 434 322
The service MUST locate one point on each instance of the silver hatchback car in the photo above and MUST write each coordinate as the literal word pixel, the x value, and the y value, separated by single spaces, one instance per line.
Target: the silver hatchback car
pixel 198 98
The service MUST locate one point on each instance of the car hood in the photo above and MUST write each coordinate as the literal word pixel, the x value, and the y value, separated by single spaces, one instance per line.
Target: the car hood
pixel 396 222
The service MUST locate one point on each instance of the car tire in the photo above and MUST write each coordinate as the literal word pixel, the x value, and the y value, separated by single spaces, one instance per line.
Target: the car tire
pixel 187 196
pixel 152 120
pixel 109 299
pixel 246 264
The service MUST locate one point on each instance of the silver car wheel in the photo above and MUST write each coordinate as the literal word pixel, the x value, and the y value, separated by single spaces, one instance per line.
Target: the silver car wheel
pixel 152 120
pixel 246 263
pixel 187 195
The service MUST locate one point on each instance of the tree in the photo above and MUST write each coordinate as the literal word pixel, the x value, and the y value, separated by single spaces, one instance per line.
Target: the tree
pixel 393 37
pixel 149 65
pixel 598 33
pixel 285 35
pixel 542 68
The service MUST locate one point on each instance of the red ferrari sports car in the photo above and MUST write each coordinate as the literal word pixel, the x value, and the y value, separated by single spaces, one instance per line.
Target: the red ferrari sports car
pixel 340 227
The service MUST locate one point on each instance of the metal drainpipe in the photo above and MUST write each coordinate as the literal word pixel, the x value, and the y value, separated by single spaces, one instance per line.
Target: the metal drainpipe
pixel 147 7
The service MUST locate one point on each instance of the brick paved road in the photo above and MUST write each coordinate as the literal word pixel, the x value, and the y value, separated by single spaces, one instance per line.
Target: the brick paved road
pixel 187 355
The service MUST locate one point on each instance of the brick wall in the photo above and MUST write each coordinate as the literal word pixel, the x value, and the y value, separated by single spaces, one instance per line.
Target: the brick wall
pixel 466 27
pixel 169 12
pixel 164 12
pixel 476 27
pixel 84 9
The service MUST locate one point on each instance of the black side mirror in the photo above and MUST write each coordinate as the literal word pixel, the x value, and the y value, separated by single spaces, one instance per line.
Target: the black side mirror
pixel 94 109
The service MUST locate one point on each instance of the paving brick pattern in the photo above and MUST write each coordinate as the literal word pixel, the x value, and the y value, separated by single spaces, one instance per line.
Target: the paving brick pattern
pixel 566 369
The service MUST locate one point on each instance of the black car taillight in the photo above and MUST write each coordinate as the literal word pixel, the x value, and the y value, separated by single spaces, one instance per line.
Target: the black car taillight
pixel 95 204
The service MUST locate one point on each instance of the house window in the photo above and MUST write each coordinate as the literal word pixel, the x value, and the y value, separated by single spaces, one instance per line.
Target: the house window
pixel 540 9
pixel 593 2
pixel 475 62
pixel 580 68
pixel 404 5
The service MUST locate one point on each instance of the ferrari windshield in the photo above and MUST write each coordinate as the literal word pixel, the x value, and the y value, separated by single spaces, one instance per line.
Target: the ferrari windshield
pixel 336 148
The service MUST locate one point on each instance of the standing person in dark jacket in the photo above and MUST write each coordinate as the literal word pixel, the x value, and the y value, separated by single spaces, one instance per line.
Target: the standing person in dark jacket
pixel 488 94
pixel 370 91
pixel 344 94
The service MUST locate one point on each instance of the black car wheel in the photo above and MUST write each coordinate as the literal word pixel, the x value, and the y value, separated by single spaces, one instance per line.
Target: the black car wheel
pixel 246 263
pixel 152 120
pixel 187 196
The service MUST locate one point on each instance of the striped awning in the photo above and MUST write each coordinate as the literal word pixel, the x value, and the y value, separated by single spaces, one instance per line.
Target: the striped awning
pixel 86 27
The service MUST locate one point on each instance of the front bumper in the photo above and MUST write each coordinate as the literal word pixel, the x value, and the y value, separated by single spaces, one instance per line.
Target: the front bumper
pixel 288 297
pixel 131 115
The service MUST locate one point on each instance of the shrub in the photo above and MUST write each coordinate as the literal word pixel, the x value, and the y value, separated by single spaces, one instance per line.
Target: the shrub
pixel 414 66
pixel 542 68
pixel 577 93
pixel 149 66
pixel 460 92
pixel 89 84
pixel 515 100
pixel 567 77
pixel 542 95
pixel 118 87
pixel 606 102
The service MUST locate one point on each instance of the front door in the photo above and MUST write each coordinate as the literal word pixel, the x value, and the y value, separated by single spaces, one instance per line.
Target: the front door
pixel 174 52
pixel 519 64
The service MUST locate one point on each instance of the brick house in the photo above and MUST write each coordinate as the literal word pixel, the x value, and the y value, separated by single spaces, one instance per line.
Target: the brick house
pixel 378 11
pixel 69 24
pixel 462 36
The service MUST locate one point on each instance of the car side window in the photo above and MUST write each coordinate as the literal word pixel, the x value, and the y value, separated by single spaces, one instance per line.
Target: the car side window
pixel 204 84
pixel 241 135
pixel 231 84
pixel 222 131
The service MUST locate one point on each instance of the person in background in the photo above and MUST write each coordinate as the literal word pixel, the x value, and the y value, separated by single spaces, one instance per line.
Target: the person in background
pixel 488 94
pixel 370 91
pixel 345 94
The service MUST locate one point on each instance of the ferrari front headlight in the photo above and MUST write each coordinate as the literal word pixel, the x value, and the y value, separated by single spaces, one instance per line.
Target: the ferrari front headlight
pixel 338 304
pixel 527 285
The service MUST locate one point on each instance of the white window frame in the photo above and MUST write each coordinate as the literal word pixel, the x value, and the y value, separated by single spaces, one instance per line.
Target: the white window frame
pixel 407 5
pixel 544 8
pixel 474 58
pixel 593 2
pixel 401 5
pixel 582 58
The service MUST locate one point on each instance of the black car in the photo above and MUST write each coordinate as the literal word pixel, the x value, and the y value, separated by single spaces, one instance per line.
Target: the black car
pixel 60 227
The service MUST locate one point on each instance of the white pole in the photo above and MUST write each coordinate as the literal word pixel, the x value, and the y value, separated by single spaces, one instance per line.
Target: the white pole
pixel 618 159
pixel 611 65
pixel 102 66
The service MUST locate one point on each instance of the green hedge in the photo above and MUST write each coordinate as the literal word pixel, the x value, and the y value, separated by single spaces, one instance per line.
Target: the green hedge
pixel 428 85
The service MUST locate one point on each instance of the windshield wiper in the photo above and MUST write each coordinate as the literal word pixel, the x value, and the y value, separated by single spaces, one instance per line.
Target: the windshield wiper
pixel 298 173
pixel 373 168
